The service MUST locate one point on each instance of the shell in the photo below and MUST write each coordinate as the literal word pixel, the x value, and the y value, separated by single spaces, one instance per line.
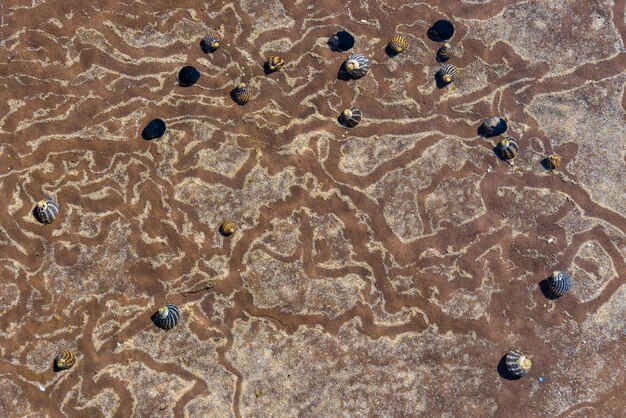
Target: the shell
pixel 275 63
pixel 341 41
pixel 212 41
pixel 227 228
pixel 398 44
pixel 65 360
pixel 47 210
pixel 441 30
pixel 449 73
pixel 351 117
pixel 446 52
pixel 508 148
pixel 167 317
pixel 494 126
pixel 357 65
pixel 188 76
pixel 241 94
pixel 553 161
pixel 517 364
pixel 154 129
pixel 559 284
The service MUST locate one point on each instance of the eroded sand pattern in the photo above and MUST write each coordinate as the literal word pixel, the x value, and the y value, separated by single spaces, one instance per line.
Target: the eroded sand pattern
pixel 382 270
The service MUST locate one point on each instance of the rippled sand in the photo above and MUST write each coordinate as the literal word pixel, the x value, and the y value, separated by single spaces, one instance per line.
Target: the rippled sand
pixel 377 271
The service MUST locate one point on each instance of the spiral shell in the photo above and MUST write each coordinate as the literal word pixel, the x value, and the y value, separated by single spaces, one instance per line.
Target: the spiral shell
pixel 398 44
pixel 227 228
pixel 508 148
pixel 446 52
pixel 357 65
pixel 275 63
pixel 47 210
pixel 212 41
pixel 553 161
pixel 351 117
pixel 167 317
pixel 449 73
pixel 65 360
pixel 241 94
pixel 494 126
pixel 559 284
pixel 517 364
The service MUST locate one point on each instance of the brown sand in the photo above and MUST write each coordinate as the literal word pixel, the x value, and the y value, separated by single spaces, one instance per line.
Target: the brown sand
pixel 378 271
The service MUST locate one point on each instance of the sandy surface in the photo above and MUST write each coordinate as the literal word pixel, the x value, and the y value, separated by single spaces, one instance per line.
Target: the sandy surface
pixel 377 271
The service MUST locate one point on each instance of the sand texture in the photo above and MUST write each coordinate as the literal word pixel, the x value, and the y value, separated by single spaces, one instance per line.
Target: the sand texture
pixel 380 271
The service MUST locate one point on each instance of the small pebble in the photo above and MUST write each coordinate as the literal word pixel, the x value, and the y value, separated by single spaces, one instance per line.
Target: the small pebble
pixel 41 388
pixel 541 378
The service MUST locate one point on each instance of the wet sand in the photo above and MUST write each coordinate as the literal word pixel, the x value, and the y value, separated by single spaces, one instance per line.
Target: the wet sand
pixel 382 270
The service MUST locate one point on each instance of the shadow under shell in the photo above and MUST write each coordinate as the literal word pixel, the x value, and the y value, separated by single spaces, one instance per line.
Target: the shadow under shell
pixel 154 129
pixel 341 41
pixel 188 76
pixel 440 31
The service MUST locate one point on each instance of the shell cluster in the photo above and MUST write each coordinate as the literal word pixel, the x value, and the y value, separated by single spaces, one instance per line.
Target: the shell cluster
pixel 448 73
pixel 275 63
pixel 241 94
pixel 508 148
pixel 559 284
pixel 398 44
pixel 65 360
pixel 351 117
pixel 517 364
pixel 47 210
pixel 357 65
pixel 211 42
pixel 167 317
pixel 227 228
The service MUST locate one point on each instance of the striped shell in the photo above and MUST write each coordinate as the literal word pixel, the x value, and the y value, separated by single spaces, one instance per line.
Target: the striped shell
pixel 351 117
pixel 446 52
pixel 241 94
pixel 167 317
pixel 65 360
pixel 508 148
pixel 227 228
pixel 211 41
pixel 275 63
pixel 517 364
pixel 357 65
pixel 494 126
pixel 448 73
pixel 553 161
pixel 559 284
pixel 398 44
pixel 47 210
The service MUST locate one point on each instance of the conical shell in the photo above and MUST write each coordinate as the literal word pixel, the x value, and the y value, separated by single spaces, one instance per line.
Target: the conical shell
pixel 47 210
pixel 517 364
pixel 351 117
pixel 448 73
pixel 275 63
pixel 65 360
pixel 167 317
pixel 227 228
pixel 212 41
pixel 559 284
pixel 398 44
pixel 494 126
pixel 508 148
pixel 241 94
pixel 446 52
pixel 357 65
pixel 553 161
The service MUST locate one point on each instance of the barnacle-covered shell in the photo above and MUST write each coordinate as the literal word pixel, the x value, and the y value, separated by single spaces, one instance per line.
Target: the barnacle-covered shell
pixel 65 360
pixel 212 41
pixel 446 52
pixel 47 210
pixel 553 161
pixel 398 44
pixel 351 117
pixel 357 65
pixel 167 317
pixel 448 73
pixel 559 284
pixel 517 364
pixel 494 126
pixel 227 228
pixel 241 94
pixel 508 148
pixel 275 63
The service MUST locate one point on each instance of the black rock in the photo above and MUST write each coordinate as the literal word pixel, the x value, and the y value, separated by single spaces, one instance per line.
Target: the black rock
pixel 187 76
pixel 441 30
pixel 341 41
pixel 154 129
